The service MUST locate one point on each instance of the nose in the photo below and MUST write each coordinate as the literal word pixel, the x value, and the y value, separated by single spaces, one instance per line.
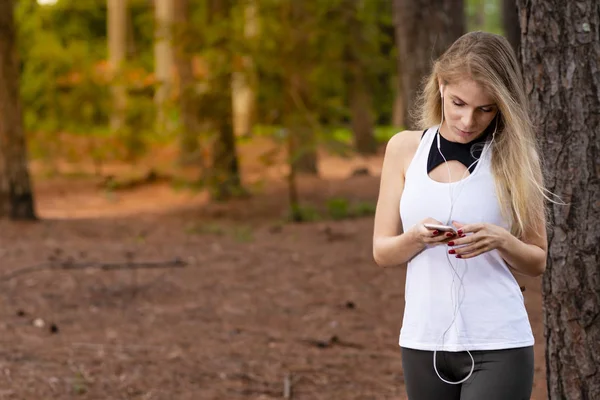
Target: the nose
pixel 468 119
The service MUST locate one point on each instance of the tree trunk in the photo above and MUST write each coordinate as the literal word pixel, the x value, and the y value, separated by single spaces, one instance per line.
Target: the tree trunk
pixel 16 196
pixel 226 176
pixel 244 79
pixel 510 23
pixel 561 60
pixel 305 157
pixel 117 45
pixel 163 57
pixel 225 180
pixel 189 148
pixel 361 116
pixel 398 110
pixel 361 110
pixel 479 17
pixel 424 29
pixel 305 149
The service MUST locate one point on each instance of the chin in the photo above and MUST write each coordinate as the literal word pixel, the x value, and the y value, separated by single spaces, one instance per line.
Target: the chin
pixel 466 136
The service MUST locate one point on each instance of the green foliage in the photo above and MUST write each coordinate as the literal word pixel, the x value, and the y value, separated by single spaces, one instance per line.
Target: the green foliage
pixel 364 209
pixel 338 208
pixel 341 208
pixel 64 82
pixel 303 213
pixel 484 15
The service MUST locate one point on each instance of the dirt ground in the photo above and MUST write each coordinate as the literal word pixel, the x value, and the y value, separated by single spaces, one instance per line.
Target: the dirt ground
pixel 261 306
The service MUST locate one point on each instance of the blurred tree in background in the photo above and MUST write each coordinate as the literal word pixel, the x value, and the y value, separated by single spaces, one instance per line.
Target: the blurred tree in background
pixel 424 30
pixel 16 196
pixel 122 77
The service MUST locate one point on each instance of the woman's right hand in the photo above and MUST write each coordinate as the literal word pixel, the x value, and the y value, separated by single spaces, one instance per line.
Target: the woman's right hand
pixel 428 237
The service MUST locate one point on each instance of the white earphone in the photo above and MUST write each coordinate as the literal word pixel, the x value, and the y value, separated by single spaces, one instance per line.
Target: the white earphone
pixel 460 184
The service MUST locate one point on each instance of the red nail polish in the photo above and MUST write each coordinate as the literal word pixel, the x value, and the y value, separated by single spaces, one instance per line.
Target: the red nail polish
pixel 452 252
pixel 448 234
pixel 458 256
pixel 462 235
pixel 460 231
pixel 451 244
pixel 436 233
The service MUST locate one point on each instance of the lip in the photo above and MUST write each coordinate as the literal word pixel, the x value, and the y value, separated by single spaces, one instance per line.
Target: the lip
pixel 464 133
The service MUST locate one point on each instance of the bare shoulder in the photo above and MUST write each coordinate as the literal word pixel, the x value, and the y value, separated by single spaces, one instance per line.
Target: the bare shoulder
pixel 403 145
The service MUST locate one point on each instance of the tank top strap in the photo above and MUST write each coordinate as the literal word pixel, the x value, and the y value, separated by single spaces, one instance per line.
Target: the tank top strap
pixel 419 161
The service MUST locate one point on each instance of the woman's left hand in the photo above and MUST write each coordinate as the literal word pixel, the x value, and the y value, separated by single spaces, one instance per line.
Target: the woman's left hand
pixel 484 237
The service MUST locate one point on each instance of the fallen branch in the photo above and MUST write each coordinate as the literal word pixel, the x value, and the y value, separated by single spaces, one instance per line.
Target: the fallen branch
pixel 70 265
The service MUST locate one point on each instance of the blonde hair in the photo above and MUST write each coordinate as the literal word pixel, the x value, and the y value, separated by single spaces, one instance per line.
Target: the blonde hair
pixel 489 60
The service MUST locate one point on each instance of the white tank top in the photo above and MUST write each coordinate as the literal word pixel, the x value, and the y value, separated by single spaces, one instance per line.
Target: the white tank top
pixel 484 312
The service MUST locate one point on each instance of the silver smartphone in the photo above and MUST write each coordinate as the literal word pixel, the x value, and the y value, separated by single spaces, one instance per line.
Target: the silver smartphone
pixel 441 228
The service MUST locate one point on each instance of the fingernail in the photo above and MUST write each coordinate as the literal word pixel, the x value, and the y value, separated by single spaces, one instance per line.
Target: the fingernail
pixel 462 235
pixel 460 231
pixel 449 234
pixel 458 256
pixel 450 243
pixel 436 233
pixel 453 252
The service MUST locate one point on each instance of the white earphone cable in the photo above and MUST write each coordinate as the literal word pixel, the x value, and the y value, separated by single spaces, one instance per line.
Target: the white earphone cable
pixel 458 301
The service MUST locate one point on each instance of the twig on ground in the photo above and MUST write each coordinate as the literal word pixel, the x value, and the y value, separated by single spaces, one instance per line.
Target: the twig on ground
pixel 70 265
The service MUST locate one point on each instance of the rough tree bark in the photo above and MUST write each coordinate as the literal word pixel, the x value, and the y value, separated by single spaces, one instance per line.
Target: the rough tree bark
pixel 16 196
pixel 561 64
pixel 510 23
pixel 117 45
pixel 424 29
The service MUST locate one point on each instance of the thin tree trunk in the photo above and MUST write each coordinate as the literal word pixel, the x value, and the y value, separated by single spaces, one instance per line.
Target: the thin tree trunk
pixel 398 110
pixel 361 113
pixel 244 80
pixel 226 176
pixel 163 57
pixel 16 196
pixel 117 45
pixel 561 60
pixel 424 29
pixel 361 117
pixel 479 17
pixel 510 23
pixel 305 148
pixel 306 159
pixel 189 148
pixel 225 179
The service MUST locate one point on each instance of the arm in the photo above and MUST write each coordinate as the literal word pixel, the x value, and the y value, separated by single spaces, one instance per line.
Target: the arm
pixel 391 245
pixel 526 255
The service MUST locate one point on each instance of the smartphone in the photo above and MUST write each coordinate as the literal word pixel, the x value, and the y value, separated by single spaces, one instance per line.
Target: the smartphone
pixel 441 228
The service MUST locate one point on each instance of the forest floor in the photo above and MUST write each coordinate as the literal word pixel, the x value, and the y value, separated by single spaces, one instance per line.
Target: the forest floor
pixel 261 306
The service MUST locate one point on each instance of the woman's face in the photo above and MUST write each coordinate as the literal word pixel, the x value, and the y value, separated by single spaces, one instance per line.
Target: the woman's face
pixel 468 111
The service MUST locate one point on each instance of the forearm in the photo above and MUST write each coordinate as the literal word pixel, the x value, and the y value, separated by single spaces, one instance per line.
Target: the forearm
pixel 528 259
pixel 396 250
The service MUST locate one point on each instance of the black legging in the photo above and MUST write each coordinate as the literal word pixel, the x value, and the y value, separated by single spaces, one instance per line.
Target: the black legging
pixel 498 374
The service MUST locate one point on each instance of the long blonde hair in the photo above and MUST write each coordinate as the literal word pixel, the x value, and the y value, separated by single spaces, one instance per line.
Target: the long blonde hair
pixel 489 60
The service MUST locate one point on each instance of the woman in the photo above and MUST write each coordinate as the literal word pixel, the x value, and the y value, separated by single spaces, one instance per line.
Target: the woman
pixel 465 332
